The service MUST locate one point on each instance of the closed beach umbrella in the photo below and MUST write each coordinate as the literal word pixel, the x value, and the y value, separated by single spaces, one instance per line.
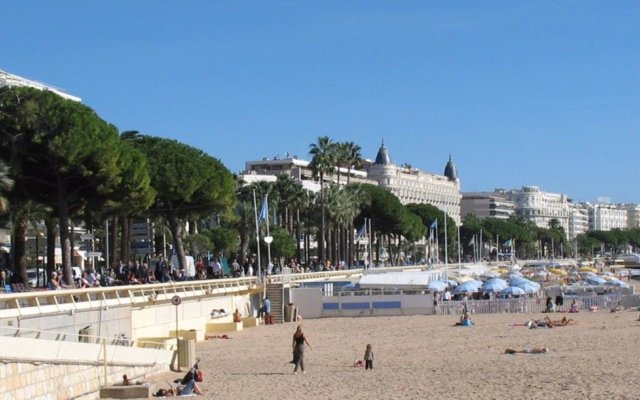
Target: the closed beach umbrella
pixel 512 290
pixel 494 285
pixel 557 271
pixel 437 286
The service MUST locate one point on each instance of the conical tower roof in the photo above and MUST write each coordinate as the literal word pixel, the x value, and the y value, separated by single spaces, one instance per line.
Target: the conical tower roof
pixel 383 157
pixel 450 171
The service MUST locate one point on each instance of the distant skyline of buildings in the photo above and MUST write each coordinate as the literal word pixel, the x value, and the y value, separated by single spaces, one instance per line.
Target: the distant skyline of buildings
pixel 411 185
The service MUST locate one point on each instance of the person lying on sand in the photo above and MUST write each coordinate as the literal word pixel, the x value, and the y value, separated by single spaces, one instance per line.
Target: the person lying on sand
pixel 549 323
pixel 535 350
pixel 562 322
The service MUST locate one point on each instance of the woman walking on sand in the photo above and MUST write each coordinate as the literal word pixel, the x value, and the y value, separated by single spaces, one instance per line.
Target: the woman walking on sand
pixel 299 340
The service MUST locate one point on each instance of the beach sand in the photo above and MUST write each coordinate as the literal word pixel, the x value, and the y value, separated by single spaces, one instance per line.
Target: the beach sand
pixel 425 357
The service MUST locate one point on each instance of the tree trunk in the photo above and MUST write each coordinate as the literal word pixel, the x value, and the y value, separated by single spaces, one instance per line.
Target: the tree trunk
pixel 244 247
pixel 176 231
pixel 63 220
pixel 125 242
pixel 51 247
pixel 19 250
pixel 114 242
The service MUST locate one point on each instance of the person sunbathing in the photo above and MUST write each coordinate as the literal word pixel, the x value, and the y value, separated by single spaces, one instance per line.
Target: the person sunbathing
pixel 535 350
pixel 559 322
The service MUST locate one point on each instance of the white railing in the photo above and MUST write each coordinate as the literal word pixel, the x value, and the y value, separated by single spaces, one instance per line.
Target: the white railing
pixel 72 300
pixel 535 305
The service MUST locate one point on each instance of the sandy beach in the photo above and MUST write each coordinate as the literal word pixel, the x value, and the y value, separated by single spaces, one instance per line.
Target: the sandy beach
pixel 418 357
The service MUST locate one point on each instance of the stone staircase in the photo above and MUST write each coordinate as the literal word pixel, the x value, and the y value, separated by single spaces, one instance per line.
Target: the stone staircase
pixel 275 292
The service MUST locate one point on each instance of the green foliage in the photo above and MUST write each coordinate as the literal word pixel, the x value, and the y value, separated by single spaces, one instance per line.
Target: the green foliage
pixel 283 244
pixel 61 154
pixel 188 182
pixel 223 239
pixel 383 207
pixel 197 244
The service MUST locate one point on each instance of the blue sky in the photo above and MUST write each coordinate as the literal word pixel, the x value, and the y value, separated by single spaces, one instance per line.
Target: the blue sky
pixel 518 92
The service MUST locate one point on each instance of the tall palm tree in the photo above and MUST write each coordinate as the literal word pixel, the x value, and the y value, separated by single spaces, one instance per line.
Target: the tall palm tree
pixel 322 164
pixel 353 157
pixel 286 189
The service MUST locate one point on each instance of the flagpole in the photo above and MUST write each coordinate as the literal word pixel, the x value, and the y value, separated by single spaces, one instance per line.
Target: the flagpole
pixel 255 212
pixel 370 243
pixel 446 250
pixel 480 250
pixel 266 197
pixel 459 265
pixel 437 244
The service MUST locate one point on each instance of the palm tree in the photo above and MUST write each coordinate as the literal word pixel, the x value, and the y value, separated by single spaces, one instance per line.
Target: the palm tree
pixel 354 157
pixel 322 163
pixel 244 224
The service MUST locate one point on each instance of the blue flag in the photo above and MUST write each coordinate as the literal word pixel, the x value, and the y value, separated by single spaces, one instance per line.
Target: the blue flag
pixel 264 210
pixel 434 224
pixel 362 231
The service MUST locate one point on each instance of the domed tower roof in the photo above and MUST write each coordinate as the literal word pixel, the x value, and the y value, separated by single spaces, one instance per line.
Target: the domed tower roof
pixel 383 156
pixel 450 171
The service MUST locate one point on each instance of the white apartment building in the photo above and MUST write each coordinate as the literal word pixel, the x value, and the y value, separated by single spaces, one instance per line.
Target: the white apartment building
pixel 268 170
pixel 10 80
pixel 411 185
pixel 605 217
pixel 540 207
pixel 486 205
pixel 633 215
pixel 578 219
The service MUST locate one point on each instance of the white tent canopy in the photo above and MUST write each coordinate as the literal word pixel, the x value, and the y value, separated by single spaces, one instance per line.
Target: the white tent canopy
pixel 399 280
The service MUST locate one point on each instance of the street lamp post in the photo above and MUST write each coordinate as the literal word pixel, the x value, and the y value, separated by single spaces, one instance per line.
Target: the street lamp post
pixel 267 240
pixel 38 234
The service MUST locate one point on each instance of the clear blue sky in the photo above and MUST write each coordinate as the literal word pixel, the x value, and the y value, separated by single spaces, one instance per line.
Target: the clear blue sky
pixel 518 92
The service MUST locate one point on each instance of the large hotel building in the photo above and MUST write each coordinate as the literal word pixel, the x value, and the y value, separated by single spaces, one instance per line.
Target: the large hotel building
pixel 409 184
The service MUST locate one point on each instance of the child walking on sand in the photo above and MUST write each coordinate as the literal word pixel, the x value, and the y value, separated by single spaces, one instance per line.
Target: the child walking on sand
pixel 368 357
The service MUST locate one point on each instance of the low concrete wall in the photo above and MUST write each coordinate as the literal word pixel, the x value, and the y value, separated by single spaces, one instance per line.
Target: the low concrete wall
pixel 45 369
pixel 312 304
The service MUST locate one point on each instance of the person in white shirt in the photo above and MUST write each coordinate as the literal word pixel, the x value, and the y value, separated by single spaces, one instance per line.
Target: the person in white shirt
pixel 216 268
